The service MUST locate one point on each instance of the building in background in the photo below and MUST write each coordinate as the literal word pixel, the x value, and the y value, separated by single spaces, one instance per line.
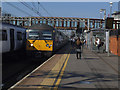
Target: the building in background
pixel 115 35
pixel 116 15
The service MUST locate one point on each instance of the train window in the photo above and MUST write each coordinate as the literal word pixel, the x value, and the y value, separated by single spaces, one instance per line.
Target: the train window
pixel 19 36
pixel 4 35
pixel 46 34
pixel 34 35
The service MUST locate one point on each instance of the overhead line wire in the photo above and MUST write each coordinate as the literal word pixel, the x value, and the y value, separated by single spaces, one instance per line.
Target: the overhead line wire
pixel 28 6
pixel 17 8
pixel 44 9
pixel 33 5
pixel 34 10
pixel 39 4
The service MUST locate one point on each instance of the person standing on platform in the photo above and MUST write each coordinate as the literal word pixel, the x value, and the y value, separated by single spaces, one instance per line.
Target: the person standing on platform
pixel 78 48
pixel 84 42
pixel 73 40
pixel 98 44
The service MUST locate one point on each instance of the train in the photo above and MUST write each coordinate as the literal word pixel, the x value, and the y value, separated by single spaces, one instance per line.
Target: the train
pixel 12 37
pixel 44 39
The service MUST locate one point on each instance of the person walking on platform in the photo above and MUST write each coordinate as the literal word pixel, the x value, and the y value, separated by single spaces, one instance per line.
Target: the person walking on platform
pixel 78 48
pixel 98 44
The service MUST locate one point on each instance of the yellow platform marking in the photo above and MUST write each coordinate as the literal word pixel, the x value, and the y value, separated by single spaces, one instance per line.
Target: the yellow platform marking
pixel 61 74
pixel 30 73
pixel 51 77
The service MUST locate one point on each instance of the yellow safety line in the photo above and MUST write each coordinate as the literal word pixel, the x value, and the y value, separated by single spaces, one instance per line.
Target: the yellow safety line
pixel 61 74
pixel 50 81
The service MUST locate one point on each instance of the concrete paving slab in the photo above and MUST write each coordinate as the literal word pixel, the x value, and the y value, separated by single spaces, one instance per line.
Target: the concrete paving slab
pixel 89 72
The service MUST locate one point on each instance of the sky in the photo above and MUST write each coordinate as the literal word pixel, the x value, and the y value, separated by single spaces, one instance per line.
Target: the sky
pixel 61 9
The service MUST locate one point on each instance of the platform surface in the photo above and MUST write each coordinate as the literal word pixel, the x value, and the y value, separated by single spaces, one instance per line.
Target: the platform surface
pixel 64 71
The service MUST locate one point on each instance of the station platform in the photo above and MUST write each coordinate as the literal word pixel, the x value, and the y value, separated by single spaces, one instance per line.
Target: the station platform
pixel 64 71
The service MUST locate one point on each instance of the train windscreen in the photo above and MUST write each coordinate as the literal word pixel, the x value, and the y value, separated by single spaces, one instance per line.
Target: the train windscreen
pixel 34 34
pixel 37 34
pixel 46 34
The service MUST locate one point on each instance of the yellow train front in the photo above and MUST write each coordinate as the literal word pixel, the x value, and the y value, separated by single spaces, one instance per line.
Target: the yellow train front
pixel 44 39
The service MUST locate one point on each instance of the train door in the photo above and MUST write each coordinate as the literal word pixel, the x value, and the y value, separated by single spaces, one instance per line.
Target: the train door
pixel 12 41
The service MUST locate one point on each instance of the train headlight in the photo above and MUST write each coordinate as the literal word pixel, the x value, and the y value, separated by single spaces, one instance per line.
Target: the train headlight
pixel 31 44
pixel 50 45
pixel 47 45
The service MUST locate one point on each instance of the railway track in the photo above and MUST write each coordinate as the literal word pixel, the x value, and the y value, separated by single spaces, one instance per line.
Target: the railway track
pixel 27 65
pixel 15 70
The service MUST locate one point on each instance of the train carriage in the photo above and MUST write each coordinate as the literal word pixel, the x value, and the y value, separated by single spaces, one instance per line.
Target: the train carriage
pixel 42 38
pixel 13 37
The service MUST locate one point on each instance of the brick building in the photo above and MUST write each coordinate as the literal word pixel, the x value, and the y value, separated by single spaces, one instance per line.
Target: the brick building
pixel 115 35
pixel 115 42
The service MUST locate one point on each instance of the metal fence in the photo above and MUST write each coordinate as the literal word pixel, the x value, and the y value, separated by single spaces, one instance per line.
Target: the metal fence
pixel 102 35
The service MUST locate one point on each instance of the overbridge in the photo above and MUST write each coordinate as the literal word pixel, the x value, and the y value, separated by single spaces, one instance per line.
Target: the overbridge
pixel 66 23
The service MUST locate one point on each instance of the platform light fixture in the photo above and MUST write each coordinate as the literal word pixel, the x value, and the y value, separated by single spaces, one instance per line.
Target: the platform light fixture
pixel 104 12
pixel 111 4
pixel 100 14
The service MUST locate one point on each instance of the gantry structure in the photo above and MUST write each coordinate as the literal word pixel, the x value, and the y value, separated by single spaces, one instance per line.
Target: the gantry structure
pixel 65 23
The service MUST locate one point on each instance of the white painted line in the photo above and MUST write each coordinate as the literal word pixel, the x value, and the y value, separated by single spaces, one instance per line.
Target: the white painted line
pixel 30 73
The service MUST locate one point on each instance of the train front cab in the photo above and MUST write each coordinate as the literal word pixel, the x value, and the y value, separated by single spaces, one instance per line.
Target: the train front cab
pixel 40 41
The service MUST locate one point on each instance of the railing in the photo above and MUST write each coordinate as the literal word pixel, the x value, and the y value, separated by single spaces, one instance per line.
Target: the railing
pixel 57 22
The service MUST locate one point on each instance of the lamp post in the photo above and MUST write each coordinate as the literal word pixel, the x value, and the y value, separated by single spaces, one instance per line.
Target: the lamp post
pixel 100 14
pixel 111 3
pixel 104 12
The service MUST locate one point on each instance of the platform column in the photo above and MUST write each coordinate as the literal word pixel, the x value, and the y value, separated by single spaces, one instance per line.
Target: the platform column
pixel 15 22
pixel 42 20
pixel 86 24
pixel 100 23
pixel 66 22
pixel 96 24
pixel 78 24
pixel 73 23
pixel 93 24
pixel 38 20
pixel 31 22
pixel 54 23
pixel 115 24
pixel 46 21
pixel 23 23
pixel 119 25
pixel 62 23
pixel 58 22
pixel 70 23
